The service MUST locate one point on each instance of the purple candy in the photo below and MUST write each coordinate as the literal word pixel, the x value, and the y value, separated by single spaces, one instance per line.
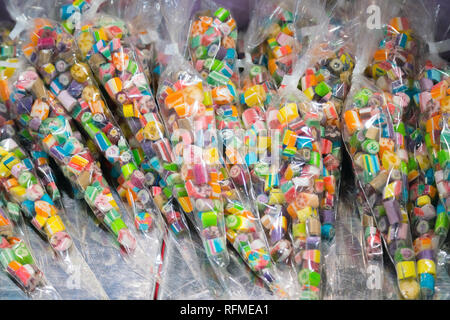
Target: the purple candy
pixel 392 211
pixel 34 124
pixel 312 243
pixel 276 234
pixel 328 216
pixel 24 105
pixel 75 88
pixel 57 152
pixel 425 254
pixel 146 146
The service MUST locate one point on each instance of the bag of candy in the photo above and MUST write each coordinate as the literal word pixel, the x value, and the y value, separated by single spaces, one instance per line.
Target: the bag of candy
pixel 24 192
pixel 275 43
pixel 427 145
pixel 80 94
pixel 233 192
pixel 373 133
pixel 295 182
pixel 143 19
pixel 123 78
pixel 18 262
pixel 258 94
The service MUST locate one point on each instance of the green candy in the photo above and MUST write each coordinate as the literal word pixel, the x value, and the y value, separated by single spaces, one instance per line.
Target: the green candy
pixel 117 225
pixel 26 178
pixel 298 229
pixel 322 89
pixel 362 97
pixel 222 14
pixel 22 253
pixel 371 146
pixel 309 277
pixel 209 219
pixel 168 193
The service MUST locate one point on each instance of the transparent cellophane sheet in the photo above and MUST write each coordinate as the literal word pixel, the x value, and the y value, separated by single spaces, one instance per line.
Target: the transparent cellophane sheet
pixel 230 200
pixel 67 256
pixel 143 19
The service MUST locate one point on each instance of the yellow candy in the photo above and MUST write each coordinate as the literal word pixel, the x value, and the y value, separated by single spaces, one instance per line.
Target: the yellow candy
pixel 309 93
pixel 276 197
pixel 4 171
pixel 406 269
pixel 390 160
pixel 423 200
pixel 424 162
pixel 211 156
pixel 409 288
pixel 304 214
pixel 3 152
pixel 389 191
pixel 128 110
pixel 263 143
pixel 255 96
pixel 112 202
pixel 207 98
pixel 288 113
pixel 18 193
pixel 41 220
pixel 54 225
pixel 426 266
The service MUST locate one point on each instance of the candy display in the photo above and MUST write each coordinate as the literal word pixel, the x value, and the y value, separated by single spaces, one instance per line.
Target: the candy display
pixel 423 207
pixel 137 111
pixel 326 81
pixel 295 182
pixel 123 79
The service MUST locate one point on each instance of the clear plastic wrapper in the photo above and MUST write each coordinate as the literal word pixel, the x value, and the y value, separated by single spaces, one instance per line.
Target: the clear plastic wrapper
pixel 57 58
pixel 325 70
pixel 423 207
pixel 373 135
pixel 205 135
pixel 275 44
pixel 431 101
pixel 143 19
pixel 258 95
pixel 26 194
pixel 17 260
pixel 123 78
pixel 63 142
pixel 295 182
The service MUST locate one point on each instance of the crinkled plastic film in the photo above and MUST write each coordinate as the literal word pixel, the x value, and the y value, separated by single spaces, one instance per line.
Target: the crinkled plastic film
pixel 295 182
pixel 143 18
pixel 429 173
pixel 18 262
pixel 77 162
pixel 274 42
pixel 124 80
pixel 243 228
pixel 259 96
pixel 75 89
